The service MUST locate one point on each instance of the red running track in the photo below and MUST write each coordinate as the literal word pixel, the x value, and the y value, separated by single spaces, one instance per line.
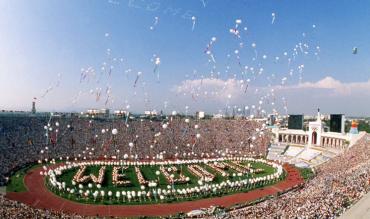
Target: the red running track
pixel 38 196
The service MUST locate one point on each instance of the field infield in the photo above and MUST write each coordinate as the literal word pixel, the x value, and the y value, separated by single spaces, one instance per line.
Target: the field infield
pixel 39 196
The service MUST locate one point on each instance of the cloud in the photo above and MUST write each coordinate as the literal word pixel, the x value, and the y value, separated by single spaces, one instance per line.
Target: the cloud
pixel 328 93
pixel 337 87
pixel 234 89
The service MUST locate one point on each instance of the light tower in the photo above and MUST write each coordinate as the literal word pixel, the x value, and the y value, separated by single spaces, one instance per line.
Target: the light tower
pixel 34 105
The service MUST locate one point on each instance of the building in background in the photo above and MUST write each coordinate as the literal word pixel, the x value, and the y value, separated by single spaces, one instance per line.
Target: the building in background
pixel 98 112
pixel 295 122
pixel 337 123
pixel 120 113
pixel 271 119
pixel 150 113
pixel 218 116
pixel 314 145
pixel 316 136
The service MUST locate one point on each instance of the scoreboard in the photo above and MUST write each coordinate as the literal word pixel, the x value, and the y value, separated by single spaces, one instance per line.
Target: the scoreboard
pixel 337 123
pixel 295 122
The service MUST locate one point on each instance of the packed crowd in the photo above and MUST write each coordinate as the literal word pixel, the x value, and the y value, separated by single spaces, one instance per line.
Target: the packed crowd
pixel 28 139
pixel 13 209
pixel 339 183
pixel 20 142
pixel 25 140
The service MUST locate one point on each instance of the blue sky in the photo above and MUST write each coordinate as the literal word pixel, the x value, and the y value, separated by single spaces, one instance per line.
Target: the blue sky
pixel 41 39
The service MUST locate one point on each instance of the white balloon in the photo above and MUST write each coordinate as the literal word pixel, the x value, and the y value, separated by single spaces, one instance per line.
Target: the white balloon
pixel 114 131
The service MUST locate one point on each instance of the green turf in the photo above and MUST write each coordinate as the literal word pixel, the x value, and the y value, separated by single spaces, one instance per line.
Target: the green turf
pixel 306 173
pixel 149 174
pixel 16 181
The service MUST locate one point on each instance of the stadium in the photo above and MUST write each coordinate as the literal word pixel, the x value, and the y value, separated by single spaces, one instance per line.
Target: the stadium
pixel 132 176
pixel 184 109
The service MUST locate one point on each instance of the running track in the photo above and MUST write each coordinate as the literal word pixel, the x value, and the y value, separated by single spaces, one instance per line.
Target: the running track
pixel 39 196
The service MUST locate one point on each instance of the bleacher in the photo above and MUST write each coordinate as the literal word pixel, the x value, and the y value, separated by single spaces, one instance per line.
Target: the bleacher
pixel 275 151
pixel 293 151
pixel 320 159
pixel 308 154
pixel 302 164
pixel 301 156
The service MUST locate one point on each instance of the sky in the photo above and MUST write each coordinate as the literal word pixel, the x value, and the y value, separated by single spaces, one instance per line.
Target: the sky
pixel 75 55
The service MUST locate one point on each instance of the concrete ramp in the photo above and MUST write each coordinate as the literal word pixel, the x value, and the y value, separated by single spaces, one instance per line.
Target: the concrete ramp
pixel 360 210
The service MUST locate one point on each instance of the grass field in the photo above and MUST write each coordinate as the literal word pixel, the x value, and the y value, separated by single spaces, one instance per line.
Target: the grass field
pixel 16 181
pixel 306 173
pixel 149 174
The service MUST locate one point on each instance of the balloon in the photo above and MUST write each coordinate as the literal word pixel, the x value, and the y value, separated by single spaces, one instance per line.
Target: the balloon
pixel 354 50
pixel 157 62
pixel 273 17
pixel 156 20
pixel 193 18
pixel 114 131
pixel 137 78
